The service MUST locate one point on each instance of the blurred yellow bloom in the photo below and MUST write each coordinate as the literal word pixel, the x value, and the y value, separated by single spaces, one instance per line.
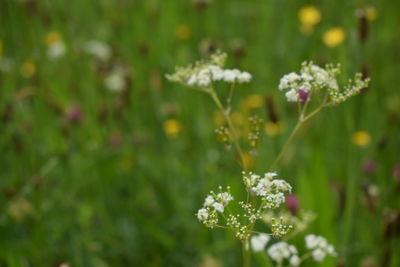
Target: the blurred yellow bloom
pixel 218 118
pixel 361 138
pixel 272 128
pixel 371 13
pixel 238 119
pixel 183 32
pixel 172 128
pixel 334 37
pixel 52 38
pixel 309 15
pixel 248 160
pixel 254 101
pixel 19 209
pixel 28 69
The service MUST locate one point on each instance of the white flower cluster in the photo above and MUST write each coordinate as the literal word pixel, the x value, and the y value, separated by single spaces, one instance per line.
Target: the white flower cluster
pixel 98 49
pixel 206 72
pixel 56 50
pixel 353 88
pixel 279 228
pixel 259 241
pixel 319 246
pixel 281 251
pixel 311 77
pixel 115 81
pixel 214 203
pixel 271 190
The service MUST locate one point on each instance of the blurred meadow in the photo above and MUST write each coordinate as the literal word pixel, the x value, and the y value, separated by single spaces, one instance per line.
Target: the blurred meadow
pixel 105 163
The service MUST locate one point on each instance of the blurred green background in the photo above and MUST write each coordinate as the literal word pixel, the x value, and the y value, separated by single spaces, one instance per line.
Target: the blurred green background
pixel 105 163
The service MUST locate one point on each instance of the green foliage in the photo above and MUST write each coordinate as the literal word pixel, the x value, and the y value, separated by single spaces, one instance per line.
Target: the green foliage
pixel 112 188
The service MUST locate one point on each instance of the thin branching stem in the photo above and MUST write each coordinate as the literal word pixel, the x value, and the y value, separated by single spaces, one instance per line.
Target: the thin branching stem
pixel 230 125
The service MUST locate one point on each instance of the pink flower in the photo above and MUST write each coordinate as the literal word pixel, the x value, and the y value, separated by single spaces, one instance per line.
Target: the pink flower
pixel 369 166
pixel 293 203
pixel 303 95
pixel 74 114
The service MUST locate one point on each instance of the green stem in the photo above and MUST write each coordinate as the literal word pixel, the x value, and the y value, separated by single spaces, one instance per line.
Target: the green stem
pixel 246 254
pixel 230 125
pixel 294 132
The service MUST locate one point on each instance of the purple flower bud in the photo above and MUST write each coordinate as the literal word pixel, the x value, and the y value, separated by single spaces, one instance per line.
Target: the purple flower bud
pixel 303 95
pixel 369 166
pixel 293 203
pixel 74 113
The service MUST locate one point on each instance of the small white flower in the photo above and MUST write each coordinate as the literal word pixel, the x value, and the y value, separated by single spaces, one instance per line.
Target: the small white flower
pixel 209 201
pixel 203 78
pixel 294 260
pixel 225 198
pixel 281 185
pixel 56 50
pixel 192 80
pixel 115 81
pixel 258 242
pixel 318 255
pixel 218 207
pixel 270 175
pixel 244 77
pixel 331 250
pixel 98 49
pixel 202 214
pixel 231 75
pixel 306 77
pixel 217 72
pixel 292 95
pixel 311 241
pixel 280 251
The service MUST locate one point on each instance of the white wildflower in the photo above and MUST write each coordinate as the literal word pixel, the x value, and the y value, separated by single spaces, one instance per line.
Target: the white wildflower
pixel 218 207
pixel 292 95
pixel 202 214
pixel 115 81
pixel 231 75
pixel 294 260
pixel 98 49
pixel 244 77
pixel 319 246
pixel 56 50
pixel 259 241
pixel 209 201
pixel 270 175
pixel 318 255
pixel 225 198
pixel 280 251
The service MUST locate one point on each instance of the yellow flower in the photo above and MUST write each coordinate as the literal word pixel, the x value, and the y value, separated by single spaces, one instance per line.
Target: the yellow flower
pixel 237 119
pixel 361 138
pixel 272 128
pixel 248 160
pixel 334 37
pixel 218 118
pixel 183 32
pixel 28 69
pixel 254 101
pixel 52 38
pixel 20 208
pixel 371 13
pixel 172 128
pixel 309 15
